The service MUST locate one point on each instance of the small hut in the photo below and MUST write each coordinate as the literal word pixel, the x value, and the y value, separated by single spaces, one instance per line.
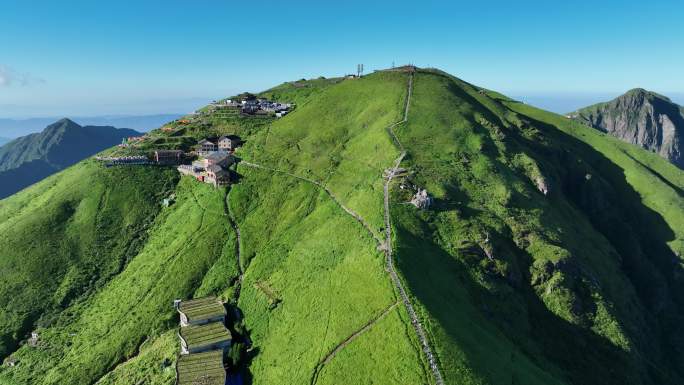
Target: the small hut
pixel 201 311
pixel 228 143
pixel 206 147
pixel 204 338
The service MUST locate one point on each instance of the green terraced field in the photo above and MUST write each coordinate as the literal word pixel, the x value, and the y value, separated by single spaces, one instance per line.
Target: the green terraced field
pixel 202 309
pixel 201 368
pixel 198 336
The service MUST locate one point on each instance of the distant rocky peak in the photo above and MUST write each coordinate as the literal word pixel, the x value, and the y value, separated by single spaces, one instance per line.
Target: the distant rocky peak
pixel 641 117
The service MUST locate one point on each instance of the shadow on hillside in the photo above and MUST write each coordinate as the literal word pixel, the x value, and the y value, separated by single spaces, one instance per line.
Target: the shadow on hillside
pixel 615 210
pixel 433 276
pixel 598 188
pixel 660 177
pixel 638 233
pixel 241 353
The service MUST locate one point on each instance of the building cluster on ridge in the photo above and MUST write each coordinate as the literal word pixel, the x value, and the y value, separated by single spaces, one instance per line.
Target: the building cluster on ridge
pixel 204 342
pixel 214 160
pixel 252 105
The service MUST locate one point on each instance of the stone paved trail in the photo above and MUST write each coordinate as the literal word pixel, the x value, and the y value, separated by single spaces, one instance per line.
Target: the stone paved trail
pixel 389 258
pixel 383 244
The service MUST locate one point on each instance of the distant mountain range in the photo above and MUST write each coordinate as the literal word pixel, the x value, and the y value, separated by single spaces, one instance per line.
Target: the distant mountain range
pixel 14 128
pixel 647 119
pixel 30 158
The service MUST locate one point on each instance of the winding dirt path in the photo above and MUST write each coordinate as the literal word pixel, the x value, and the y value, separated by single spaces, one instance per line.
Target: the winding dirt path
pixel 348 340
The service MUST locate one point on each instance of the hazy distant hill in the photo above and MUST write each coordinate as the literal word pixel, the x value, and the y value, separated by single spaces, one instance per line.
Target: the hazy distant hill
pixel 13 128
pixel 641 117
pixel 28 159
pixel 4 140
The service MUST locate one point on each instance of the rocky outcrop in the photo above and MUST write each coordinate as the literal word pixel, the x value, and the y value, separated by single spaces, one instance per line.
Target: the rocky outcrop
pixel 640 117
pixel 542 185
pixel 422 199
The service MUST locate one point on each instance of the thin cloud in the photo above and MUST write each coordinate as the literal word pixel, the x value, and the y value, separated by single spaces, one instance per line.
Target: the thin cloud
pixel 10 77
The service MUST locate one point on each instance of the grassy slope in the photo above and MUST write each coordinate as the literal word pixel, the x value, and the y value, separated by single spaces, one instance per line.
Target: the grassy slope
pixel 562 300
pixel 339 260
pixel 153 365
pixel 300 92
pixel 658 183
pixel 90 338
pixel 339 138
pixel 470 348
pixel 324 268
pixel 557 281
pixel 363 362
pixel 88 228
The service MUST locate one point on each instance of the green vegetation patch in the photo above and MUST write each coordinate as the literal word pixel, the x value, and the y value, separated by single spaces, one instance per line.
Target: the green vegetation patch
pixel 67 236
pixel 551 253
pixel 364 360
pixel 91 338
pixel 339 138
pixel 325 269
pixel 154 364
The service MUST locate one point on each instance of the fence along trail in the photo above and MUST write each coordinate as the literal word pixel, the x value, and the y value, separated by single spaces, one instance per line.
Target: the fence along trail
pixel 389 259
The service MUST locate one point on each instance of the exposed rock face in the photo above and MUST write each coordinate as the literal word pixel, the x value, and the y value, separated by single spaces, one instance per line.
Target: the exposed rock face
pixel 643 118
pixel 542 185
pixel 422 199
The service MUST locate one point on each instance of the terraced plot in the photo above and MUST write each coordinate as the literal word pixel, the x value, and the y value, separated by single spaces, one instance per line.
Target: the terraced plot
pixel 213 335
pixel 201 368
pixel 196 310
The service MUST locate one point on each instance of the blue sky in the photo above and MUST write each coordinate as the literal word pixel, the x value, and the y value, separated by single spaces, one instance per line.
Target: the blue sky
pixel 135 57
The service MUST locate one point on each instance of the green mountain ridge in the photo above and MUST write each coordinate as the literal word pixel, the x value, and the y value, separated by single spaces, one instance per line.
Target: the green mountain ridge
pixel 551 253
pixel 644 118
pixel 28 159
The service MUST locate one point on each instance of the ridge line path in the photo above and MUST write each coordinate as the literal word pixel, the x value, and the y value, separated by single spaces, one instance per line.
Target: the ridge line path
pixel 348 340
pixel 389 259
